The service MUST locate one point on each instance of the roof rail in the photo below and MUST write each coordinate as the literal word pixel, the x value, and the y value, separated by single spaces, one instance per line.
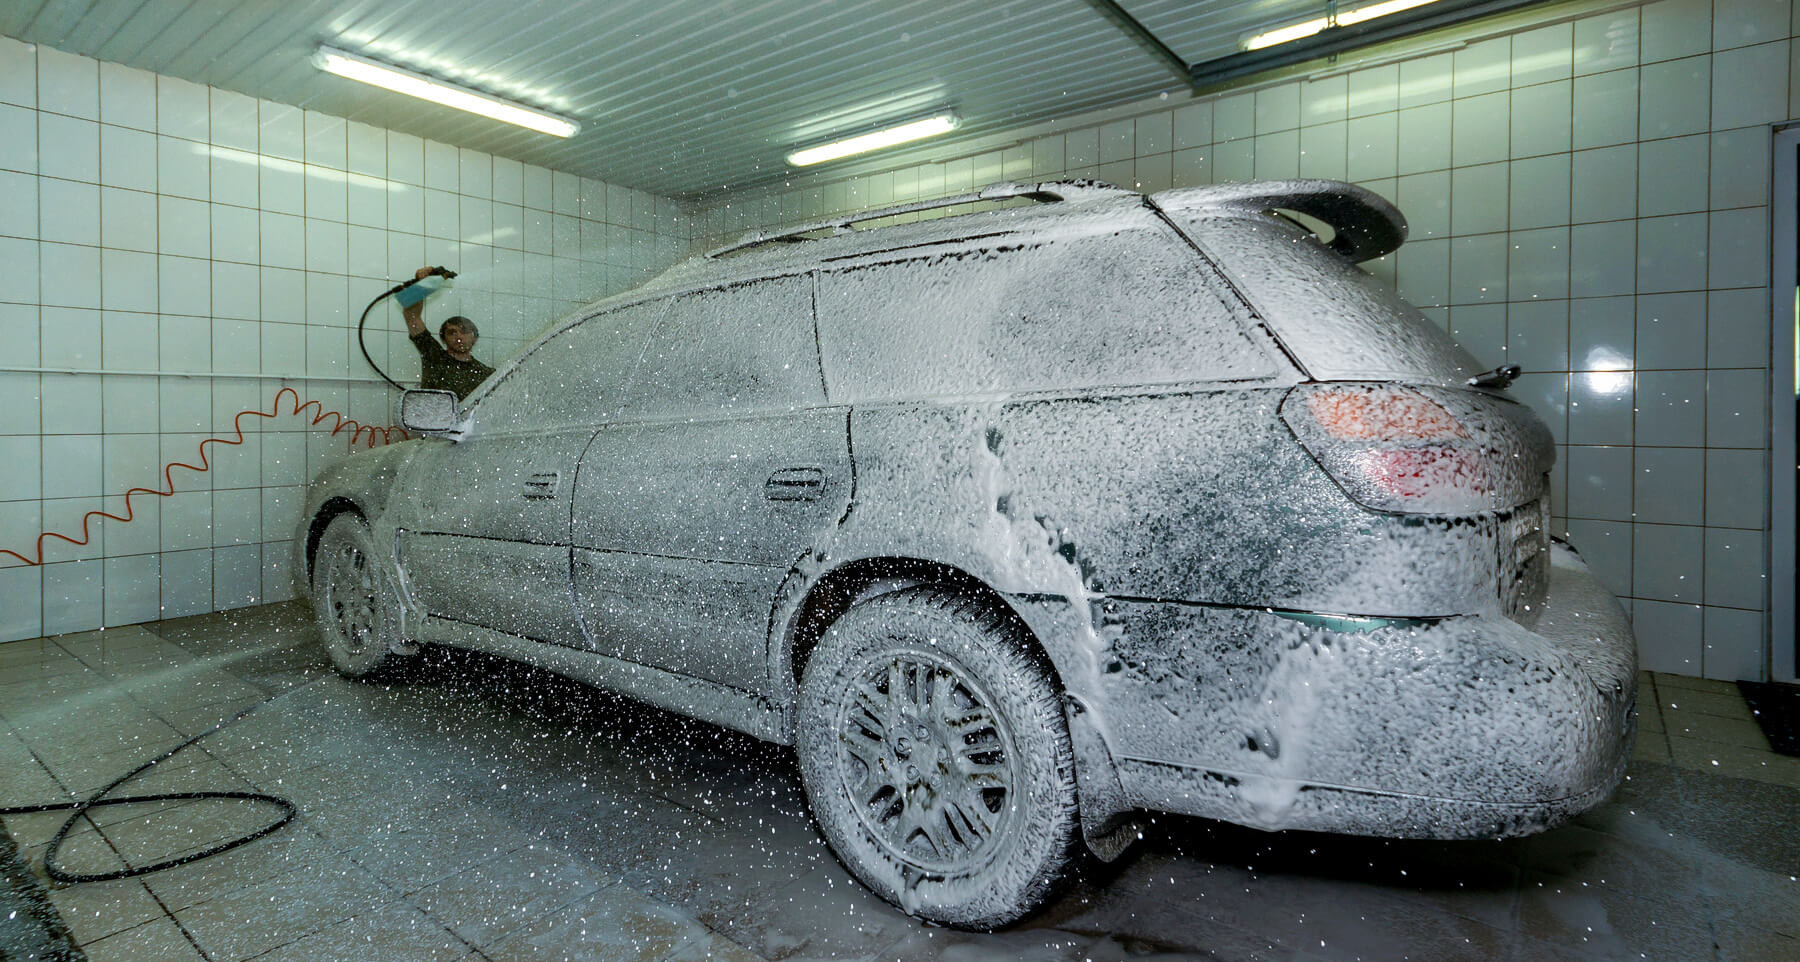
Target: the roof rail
pixel 1050 191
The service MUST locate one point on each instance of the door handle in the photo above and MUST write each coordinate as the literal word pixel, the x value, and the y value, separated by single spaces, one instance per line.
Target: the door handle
pixel 795 484
pixel 542 484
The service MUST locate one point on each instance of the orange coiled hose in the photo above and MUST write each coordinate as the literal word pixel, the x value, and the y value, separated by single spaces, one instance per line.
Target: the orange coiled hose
pixel 386 435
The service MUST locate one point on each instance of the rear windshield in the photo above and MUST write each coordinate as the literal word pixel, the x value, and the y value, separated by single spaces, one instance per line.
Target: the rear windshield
pixel 1338 320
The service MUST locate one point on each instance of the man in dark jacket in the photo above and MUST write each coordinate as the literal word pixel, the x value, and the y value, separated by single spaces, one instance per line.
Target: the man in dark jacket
pixel 450 366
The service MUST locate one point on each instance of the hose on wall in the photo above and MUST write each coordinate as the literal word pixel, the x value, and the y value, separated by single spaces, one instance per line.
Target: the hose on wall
pixel 359 433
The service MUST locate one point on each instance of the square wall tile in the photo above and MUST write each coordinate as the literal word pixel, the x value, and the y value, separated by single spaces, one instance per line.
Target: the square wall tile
pixel 1671 409
pixel 69 212
pixel 366 151
pixel 72 597
pixel 1478 199
pixel 1605 109
pixel 1602 334
pixel 1749 86
pixel 326 140
pixel 1118 141
pixel 233 119
pixel 122 155
pixel 21 467
pixel 442 169
pixel 1324 152
pixel 1477 268
pixel 1538 265
pixel 1278 108
pixel 1733 644
pixel 1675 98
pixel 1671 331
pixel 129 283
pixel 1482 67
pixel 1738 247
pixel 1672 175
pixel 1234 117
pixel 237 577
pixel 132 588
pixel 128 220
pixel 129 402
pixel 182 109
pixel 1373 90
pixel 1538 335
pixel 18 139
pixel 1676 28
pixel 68 274
pixel 1668 636
pixel 1667 565
pixel 187 583
pixel 1424 138
pixel 1671 253
pixel 1740 167
pixel 282 130
pixel 1541 119
pixel 236 177
pixel 18 72
pixel 1736 576
pixel 1601 407
pixel 1480 128
pixel 1735 405
pixel 1604 183
pixel 1600 481
pixel 1372 145
pixel 67 83
pixel 21 603
pixel 1542 55
pixel 1737 328
pixel 1737 488
pixel 1669 490
pixel 182 168
pixel 476 174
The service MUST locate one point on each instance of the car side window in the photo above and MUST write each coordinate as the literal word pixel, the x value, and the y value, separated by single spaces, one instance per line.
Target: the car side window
pixel 736 349
pixel 1108 308
pixel 576 377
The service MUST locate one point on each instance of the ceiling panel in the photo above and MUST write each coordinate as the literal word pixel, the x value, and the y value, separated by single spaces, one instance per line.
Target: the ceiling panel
pixel 683 99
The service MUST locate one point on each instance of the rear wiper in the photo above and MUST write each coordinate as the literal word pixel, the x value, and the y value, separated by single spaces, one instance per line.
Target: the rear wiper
pixel 1499 377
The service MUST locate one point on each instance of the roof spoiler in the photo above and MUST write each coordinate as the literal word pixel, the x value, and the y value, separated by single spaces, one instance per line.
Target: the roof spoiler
pixel 1364 225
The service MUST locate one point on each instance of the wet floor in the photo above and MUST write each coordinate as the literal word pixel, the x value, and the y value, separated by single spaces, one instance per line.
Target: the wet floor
pixel 483 810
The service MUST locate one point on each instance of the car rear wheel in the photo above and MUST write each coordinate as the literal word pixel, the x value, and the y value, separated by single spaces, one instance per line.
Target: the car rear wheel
pixel 936 758
pixel 355 612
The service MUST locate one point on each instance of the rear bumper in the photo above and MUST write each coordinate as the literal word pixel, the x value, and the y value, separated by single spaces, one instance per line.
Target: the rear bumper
pixel 1464 727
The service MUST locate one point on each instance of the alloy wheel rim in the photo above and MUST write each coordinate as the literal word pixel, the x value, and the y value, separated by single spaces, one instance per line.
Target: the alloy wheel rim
pixel 352 599
pixel 926 762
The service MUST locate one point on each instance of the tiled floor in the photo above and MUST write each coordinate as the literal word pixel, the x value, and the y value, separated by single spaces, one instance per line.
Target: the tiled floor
pixel 488 811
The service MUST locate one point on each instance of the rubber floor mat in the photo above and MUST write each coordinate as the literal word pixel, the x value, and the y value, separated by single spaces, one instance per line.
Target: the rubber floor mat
pixel 1777 710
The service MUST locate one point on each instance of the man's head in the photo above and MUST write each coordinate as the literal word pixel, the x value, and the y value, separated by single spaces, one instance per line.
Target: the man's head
pixel 459 334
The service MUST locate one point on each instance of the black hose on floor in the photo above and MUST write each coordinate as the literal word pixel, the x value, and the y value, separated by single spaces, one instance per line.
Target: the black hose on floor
pixel 99 800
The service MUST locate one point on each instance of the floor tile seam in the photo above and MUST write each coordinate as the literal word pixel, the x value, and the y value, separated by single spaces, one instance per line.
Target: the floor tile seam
pixel 310 931
pixel 497 939
pixel 135 925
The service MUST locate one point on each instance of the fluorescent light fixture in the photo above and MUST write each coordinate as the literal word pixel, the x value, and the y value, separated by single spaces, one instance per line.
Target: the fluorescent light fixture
pixel 1344 18
pixel 875 140
pixel 332 60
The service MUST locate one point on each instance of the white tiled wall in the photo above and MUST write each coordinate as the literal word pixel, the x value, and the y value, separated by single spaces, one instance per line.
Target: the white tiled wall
pixel 190 252
pixel 1588 198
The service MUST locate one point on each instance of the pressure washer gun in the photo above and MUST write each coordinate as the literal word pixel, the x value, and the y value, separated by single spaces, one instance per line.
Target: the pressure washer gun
pixel 419 288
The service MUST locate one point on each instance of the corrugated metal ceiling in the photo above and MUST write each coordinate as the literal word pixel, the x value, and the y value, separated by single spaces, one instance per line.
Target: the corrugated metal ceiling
pixel 681 98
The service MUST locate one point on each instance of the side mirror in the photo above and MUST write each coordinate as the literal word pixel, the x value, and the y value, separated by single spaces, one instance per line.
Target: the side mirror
pixel 430 412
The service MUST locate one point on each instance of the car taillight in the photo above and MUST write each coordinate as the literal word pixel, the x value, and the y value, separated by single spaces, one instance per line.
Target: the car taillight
pixel 1391 448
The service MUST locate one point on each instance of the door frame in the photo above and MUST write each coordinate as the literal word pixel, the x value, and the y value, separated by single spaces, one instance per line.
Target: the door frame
pixel 1784 279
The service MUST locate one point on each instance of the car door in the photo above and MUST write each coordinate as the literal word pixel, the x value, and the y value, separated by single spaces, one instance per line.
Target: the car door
pixel 725 468
pixel 486 539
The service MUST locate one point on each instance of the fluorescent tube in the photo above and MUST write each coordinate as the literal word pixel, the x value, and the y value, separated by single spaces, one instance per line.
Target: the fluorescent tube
pixel 1306 28
pixel 876 140
pixel 412 84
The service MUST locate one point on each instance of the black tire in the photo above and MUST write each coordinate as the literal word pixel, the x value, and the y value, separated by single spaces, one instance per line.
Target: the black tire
pixel 936 757
pixel 356 612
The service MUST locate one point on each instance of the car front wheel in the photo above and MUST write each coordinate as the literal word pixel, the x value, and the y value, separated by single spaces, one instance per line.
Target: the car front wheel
pixel 356 616
pixel 936 758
